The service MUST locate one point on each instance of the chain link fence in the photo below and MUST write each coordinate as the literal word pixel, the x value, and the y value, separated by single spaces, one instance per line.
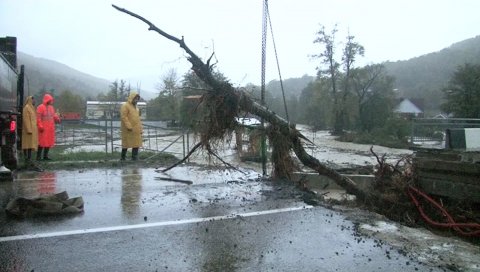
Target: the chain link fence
pixel 105 135
pixel 431 132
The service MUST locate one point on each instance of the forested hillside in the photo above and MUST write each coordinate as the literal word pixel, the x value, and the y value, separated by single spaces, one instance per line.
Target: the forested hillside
pixel 291 86
pixel 419 77
pixel 425 76
pixel 47 74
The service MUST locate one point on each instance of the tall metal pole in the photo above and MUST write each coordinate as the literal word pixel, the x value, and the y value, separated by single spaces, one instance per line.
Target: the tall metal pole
pixel 262 90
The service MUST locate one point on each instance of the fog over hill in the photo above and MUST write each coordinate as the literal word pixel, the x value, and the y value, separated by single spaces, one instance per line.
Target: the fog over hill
pixel 425 76
pixel 418 77
pixel 421 77
pixel 48 74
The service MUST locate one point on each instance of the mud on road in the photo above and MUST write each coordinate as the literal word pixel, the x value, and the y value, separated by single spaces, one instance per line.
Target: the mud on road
pixel 417 244
pixel 419 247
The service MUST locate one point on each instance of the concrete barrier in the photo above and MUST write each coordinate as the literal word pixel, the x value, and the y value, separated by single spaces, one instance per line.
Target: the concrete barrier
pixel 456 177
pixel 463 138
pixel 314 180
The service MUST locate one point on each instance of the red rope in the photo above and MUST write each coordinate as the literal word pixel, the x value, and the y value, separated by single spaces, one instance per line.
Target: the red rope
pixel 466 229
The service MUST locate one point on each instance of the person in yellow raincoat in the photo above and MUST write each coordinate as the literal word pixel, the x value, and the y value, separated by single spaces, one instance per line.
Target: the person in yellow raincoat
pixel 29 132
pixel 131 126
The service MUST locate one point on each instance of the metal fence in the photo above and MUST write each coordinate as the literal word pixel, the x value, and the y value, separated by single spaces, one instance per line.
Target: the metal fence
pixel 104 135
pixel 430 132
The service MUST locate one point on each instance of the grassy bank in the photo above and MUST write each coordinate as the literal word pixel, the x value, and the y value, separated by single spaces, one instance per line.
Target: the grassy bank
pixel 96 159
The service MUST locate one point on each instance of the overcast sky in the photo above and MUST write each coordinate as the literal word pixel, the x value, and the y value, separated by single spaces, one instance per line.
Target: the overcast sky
pixel 93 37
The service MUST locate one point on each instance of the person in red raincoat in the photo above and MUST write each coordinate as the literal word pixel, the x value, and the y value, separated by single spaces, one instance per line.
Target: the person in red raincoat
pixel 46 119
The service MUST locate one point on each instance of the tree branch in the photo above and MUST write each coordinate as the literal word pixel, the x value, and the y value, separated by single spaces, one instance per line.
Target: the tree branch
pixel 202 70
pixel 247 104
pixel 184 159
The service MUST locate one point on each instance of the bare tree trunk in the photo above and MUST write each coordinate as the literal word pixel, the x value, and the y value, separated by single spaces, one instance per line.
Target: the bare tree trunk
pixel 247 104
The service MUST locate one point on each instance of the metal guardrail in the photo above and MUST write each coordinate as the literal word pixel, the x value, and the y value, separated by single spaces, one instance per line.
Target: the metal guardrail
pixel 105 135
pixel 431 132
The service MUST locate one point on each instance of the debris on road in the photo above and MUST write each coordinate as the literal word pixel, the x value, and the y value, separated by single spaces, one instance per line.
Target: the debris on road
pixel 56 204
pixel 188 182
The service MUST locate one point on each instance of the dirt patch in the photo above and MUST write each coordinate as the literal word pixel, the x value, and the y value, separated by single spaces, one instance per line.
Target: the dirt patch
pixel 391 185
pixel 447 252
pixel 397 197
pixel 157 162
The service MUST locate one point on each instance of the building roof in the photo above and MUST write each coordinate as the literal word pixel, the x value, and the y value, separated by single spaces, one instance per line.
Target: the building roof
pixel 247 121
pixel 408 106
pixel 192 96
pixel 112 103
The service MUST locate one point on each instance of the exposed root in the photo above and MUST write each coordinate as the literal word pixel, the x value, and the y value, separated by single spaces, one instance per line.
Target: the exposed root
pixel 283 163
pixel 403 202
pixel 223 103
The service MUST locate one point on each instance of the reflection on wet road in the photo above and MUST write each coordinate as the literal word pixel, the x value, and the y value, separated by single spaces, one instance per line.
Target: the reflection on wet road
pixel 224 221
pixel 131 192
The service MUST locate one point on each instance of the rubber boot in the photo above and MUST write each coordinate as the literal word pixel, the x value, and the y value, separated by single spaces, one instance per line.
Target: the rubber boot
pixel 124 154
pixel 135 154
pixel 45 154
pixel 29 164
pixel 39 153
pixel 27 154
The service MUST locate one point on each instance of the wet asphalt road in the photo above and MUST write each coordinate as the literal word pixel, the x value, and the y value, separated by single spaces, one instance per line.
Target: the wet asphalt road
pixel 223 221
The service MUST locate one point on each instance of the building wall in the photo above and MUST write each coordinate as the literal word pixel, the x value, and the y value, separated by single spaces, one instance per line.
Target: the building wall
pixel 110 110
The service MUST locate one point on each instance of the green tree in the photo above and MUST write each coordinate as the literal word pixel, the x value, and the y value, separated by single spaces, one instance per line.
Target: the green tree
pixel 119 91
pixel 330 70
pixel 463 92
pixel 41 93
pixel 317 104
pixel 373 90
pixel 192 110
pixel 70 102
pixel 351 51
pixel 166 105
pixel 339 82
pixel 378 107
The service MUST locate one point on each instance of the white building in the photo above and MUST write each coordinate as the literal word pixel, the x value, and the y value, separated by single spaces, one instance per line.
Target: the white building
pixel 97 110
pixel 407 107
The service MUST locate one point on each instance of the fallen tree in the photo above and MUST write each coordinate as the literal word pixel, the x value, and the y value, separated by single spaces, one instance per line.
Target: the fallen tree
pixel 224 103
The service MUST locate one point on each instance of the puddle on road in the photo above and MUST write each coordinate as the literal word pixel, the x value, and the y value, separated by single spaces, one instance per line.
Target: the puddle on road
pixel 30 184
pixel 134 195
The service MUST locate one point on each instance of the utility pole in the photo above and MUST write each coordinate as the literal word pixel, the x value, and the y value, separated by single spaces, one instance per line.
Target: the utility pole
pixel 262 90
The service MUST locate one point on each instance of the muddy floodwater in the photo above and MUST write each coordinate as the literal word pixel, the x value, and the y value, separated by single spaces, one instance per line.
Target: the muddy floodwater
pixel 325 148
pixel 205 218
